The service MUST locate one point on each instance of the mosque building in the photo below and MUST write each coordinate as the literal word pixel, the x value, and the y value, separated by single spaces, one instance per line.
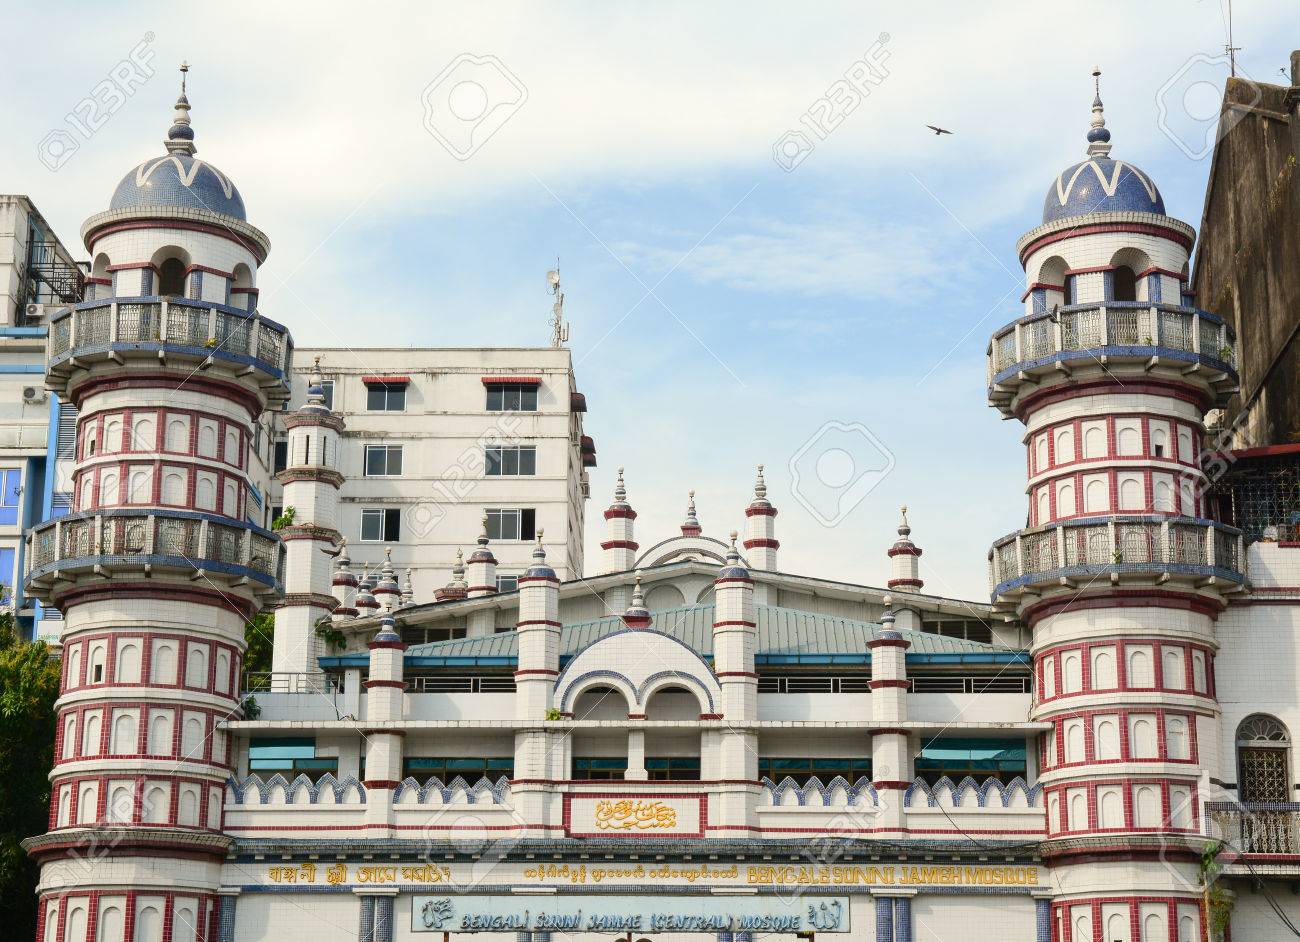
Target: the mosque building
pixel 692 742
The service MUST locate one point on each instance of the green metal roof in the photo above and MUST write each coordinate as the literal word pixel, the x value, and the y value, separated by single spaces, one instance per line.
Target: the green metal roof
pixel 785 636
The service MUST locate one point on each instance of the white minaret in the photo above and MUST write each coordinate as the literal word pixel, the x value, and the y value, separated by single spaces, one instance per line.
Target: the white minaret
pixel 344 585
pixel 157 568
pixel 905 572
pixel 311 487
pixel 1119 574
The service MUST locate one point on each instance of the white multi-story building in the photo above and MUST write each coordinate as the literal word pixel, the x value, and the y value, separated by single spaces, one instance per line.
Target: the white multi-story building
pixel 693 743
pixel 438 439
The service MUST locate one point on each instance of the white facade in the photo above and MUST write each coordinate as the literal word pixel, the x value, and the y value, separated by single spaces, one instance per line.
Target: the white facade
pixel 439 417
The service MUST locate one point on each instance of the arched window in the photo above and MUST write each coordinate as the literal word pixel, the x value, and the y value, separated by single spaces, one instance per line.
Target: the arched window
pixel 171 278
pixel 1124 281
pixel 1263 759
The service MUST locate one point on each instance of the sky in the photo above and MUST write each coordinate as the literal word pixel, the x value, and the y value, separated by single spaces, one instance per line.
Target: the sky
pixel 767 257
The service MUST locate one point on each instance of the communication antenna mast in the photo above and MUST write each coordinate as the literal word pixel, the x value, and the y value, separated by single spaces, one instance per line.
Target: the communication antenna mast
pixel 1230 49
pixel 559 329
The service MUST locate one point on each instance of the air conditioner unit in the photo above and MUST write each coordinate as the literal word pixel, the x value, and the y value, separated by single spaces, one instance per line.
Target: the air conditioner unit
pixel 35 394
pixel 35 312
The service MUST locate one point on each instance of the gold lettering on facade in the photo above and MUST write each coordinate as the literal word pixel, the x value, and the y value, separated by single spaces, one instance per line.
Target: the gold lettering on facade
pixel 627 815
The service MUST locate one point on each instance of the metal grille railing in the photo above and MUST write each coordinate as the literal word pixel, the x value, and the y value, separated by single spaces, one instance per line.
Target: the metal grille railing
pixel 187 325
pixel 1119 324
pixel 1154 543
pixel 138 322
pixel 172 321
pixel 1257 828
pixel 287 682
pixel 195 539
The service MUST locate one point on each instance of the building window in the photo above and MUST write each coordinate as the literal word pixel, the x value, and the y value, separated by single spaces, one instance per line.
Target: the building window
pixel 11 492
pixel 507 460
pixel 604 769
pixel 8 577
pixel 386 397
pixel 673 768
pixel 804 770
pixel 290 757
pixel 966 629
pixel 381 525
pixel 383 460
pixel 281 460
pixel 507 583
pixel 511 397
pixel 1124 284
pixel 426 635
pixel 512 524
pixel 1263 761
pixel 957 757
pixel 327 387
pixel 423 768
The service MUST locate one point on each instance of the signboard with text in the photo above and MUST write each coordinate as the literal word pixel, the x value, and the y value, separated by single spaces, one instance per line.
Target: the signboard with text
pixel 619 914
pixel 623 815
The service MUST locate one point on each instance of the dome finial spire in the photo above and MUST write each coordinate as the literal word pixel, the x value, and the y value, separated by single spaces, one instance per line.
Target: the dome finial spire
pixel 1098 136
pixel 180 136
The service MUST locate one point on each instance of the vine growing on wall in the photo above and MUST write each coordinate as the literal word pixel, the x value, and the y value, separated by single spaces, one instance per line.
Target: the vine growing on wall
pixel 1218 901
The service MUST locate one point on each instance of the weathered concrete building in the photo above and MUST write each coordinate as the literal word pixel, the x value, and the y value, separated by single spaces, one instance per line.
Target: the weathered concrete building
pixel 1246 267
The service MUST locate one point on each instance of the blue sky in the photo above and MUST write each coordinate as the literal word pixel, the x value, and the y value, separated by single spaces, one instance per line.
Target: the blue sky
pixel 789 311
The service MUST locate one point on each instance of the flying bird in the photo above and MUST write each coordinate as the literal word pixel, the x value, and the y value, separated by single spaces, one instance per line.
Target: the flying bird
pixel 938 130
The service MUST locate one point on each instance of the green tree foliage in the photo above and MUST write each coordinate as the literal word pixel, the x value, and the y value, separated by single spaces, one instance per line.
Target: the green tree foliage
pixel 29 686
pixel 258 635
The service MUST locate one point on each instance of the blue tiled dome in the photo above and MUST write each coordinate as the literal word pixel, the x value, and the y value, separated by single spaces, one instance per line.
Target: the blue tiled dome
pixel 1101 185
pixel 179 179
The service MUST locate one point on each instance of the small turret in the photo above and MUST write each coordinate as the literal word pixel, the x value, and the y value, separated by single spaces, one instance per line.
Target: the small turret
pixel 387 591
pixel 637 615
pixel 457 588
pixel 481 570
pixel 760 529
pixel 344 584
pixel 905 559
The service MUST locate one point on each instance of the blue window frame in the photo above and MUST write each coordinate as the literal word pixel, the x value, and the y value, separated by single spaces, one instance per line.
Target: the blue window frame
pixel 8 559
pixel 11 493
pixel 289 756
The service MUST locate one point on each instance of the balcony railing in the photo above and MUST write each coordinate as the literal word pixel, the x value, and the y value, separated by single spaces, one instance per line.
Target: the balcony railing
pixel 190 328
pixel 1115 330
pixel 1122 544
pixel 1257 828
pixel 179 539
pixel 288 682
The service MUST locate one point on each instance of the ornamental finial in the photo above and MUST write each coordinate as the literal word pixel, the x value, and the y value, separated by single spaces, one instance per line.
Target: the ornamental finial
pixel 1098 136
pixel 620 492
pixel 180 136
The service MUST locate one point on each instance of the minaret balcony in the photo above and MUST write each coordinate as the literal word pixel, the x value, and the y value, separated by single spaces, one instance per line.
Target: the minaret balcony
pixel 1131 334
pixel 1120 549
pixel 194 334
pixel 112 543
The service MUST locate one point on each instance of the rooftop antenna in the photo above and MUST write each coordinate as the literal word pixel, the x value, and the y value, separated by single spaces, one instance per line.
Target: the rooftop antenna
pixel 559 329
pixel 1230 48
